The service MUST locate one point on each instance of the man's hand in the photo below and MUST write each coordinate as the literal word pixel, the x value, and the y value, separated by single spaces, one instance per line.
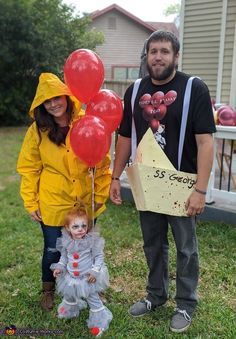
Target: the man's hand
pixel 122 154
pixel 115 195
pixel 195 204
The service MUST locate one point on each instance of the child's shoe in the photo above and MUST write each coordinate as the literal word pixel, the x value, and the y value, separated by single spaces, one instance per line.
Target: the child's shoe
pixel 99 318
pixel 63 313
pixel 68 310
pixel 96 331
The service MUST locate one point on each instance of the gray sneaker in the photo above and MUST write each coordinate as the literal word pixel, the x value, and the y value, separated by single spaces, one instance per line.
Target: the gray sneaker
pixel 141 308
pixel 180 321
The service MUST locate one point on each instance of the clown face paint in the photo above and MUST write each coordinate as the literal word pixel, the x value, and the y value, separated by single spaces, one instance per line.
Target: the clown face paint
pixel 78 227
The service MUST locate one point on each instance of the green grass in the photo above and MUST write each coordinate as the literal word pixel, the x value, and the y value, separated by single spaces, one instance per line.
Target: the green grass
pixel 20 255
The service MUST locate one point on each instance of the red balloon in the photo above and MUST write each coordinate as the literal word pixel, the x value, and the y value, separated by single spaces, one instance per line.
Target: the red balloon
pixel 225 107
pixel 90 139
pixel 227 117
pixel 84 74
pixel 107 105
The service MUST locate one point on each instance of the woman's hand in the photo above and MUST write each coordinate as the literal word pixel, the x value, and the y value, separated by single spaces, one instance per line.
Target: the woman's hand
pixel 36 216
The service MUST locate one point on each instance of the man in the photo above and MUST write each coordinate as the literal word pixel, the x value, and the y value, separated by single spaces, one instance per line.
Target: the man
pixel 162 61
pixel 143 64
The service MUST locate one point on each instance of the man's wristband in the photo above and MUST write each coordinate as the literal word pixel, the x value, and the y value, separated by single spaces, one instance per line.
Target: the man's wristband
pixel 115 178
pixel 200 191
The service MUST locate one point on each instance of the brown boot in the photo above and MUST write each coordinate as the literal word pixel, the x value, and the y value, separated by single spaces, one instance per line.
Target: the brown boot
pixel 47 300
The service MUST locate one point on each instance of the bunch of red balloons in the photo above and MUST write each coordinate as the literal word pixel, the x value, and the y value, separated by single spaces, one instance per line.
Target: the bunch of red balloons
pixel 90 136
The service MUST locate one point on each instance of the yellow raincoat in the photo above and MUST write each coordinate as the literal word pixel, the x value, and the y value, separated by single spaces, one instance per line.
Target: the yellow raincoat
pixel 53 179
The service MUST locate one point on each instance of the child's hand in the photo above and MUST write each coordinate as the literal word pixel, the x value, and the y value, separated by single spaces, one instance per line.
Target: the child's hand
pixel 91 278
pixel 56 272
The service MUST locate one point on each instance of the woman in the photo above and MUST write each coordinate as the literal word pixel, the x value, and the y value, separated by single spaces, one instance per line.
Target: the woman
pixel 53 179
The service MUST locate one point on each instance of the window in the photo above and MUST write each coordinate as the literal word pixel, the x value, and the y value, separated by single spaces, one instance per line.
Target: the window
pixel 111 24
pixel 120 73
pixel 133 73
pixel 125 72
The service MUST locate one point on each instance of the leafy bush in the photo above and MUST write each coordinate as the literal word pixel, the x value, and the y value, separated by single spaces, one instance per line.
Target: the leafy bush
pixel 36 36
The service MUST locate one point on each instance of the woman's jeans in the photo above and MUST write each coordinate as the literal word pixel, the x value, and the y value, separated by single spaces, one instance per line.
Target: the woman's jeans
pixel 50 253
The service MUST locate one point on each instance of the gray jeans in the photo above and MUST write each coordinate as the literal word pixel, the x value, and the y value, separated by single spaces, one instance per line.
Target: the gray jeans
pixel 154 229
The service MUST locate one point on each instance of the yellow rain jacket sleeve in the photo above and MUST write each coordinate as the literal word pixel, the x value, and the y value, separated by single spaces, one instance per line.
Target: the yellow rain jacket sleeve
pixel 53 179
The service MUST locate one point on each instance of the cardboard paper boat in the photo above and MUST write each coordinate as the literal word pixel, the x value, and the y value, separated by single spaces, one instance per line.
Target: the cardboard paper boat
pixel 156 185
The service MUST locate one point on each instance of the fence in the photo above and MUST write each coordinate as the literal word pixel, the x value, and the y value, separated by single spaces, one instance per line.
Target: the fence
pixel 222 183
pixel 118 86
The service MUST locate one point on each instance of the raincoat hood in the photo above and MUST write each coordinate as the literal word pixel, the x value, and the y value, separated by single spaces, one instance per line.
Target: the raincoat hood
pixel 50 86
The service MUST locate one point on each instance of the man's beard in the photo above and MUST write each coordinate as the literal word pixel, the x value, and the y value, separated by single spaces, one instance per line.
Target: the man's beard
pixel 165 74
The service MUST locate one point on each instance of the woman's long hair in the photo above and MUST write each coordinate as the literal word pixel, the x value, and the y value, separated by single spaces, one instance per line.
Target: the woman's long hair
pixel 46 122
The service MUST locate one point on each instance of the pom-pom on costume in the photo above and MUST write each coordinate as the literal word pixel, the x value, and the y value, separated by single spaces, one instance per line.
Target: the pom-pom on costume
pixel 78 259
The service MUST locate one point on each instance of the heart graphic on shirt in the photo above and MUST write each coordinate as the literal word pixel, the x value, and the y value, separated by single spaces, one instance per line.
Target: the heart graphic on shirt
pixel 169 98
pixel 157 99
pixel 148 112
pixel 145 100
pixel 160 112
pixel 155 107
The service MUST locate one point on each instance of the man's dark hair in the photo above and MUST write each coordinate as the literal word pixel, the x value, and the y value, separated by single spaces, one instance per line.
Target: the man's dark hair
pixel 164 36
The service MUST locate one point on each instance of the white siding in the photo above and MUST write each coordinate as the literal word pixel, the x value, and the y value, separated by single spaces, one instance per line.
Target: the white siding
pixel 228 51
pixel 208 43
pixel 201 40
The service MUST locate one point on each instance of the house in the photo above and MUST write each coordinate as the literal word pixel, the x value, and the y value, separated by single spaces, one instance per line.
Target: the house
pixel 124 38
pixel 208 50
pixel 208 45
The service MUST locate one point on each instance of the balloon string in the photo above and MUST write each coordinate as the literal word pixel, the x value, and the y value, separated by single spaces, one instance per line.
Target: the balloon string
pixel 92 171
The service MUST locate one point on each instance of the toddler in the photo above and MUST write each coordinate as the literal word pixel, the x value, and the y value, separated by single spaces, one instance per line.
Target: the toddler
pixel 81 272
